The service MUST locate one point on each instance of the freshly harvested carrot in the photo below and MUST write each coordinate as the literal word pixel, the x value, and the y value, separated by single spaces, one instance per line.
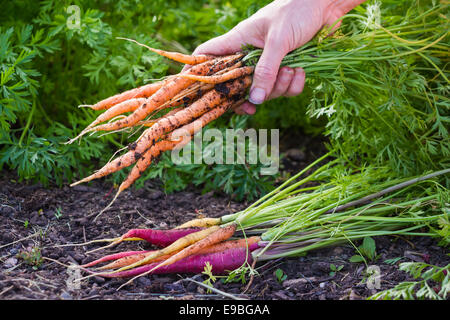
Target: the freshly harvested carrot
pixel 143 91
pixel 150 122
pixel 110 257
pixel 177 139
pixel 130 259
pixel 165 93
pixel 221 263
pixel 179 244
pixel 174 140
pixel 118 109
pixel 110 167
pixel 208 101
pixel 230 244
pixel 230 75
pixel 176 56
pixel 126 160
pixel 190 94
pixel 219 235
pixel 200 223
pixel 146 159
pixel 142 164
pixel 196 125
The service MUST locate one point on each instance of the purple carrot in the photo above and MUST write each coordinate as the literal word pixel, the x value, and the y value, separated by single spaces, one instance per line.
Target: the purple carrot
pixel 221 262
pixel 161 238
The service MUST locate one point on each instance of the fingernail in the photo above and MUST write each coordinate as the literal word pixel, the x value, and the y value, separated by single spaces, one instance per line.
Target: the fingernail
pixel 257 96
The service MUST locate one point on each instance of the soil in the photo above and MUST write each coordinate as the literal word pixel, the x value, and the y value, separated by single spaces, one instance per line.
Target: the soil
pixel 43 219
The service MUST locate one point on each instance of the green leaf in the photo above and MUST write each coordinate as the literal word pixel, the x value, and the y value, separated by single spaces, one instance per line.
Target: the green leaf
pixel 356 259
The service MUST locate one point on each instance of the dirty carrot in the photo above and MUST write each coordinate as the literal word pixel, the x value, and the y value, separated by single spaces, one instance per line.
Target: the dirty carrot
pixel 168 91
pixel 118 109
pixel 230 244
pixel 150 122
pixel 146 159
pixel 230 75
pixel 208 101
pixel 143 91
pixel 196 125
pixel 110 257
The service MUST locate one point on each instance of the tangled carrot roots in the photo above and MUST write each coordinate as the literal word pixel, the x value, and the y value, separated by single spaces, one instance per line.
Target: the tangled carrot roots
pixel 192 99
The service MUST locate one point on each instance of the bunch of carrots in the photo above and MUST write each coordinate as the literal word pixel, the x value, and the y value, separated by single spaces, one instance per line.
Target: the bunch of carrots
pixel 192 99
pixel 185 249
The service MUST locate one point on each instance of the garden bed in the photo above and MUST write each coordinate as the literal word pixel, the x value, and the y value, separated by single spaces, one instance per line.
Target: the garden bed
pixel 45 218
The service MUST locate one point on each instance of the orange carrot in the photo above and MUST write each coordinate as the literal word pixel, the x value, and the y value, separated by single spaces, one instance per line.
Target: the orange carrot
pixel 207 102
pixel 187 96
pixel 118 109
pixel 230 244
pixel 150 122
pixel 230 75
pixel 176 56
pixel 143 91
pixel 165 93
pixel 147 158
pixel 127 260
pixel 196 125
pixel 178 138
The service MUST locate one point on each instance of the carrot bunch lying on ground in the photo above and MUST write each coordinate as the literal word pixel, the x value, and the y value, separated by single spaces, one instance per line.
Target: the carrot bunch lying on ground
pixel 193 99
pixel 184 250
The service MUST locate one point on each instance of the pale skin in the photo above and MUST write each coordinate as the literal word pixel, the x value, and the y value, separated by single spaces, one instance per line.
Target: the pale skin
pixel 278 28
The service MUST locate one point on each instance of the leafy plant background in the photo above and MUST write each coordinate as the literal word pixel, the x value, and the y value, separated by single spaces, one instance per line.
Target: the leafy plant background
pixel 47 69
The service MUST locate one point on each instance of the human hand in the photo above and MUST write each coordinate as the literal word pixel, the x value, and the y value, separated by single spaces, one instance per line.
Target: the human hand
pixel 278 28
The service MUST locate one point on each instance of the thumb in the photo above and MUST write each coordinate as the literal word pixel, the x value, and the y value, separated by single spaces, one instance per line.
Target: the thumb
pixel 227 43
pixel 266 71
